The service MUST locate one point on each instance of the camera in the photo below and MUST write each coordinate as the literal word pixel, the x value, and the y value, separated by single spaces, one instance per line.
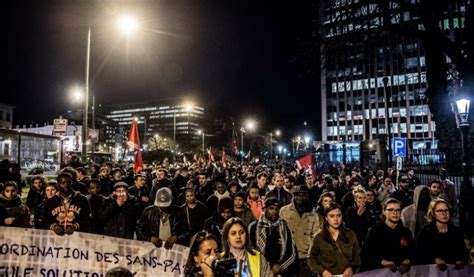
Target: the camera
pixel 224 267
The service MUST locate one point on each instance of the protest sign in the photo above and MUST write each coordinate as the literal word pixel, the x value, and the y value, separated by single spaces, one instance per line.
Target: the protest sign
pixel 33 252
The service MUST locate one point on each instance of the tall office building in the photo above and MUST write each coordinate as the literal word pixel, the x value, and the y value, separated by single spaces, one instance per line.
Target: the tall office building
pixel 167 118
pixel 373 76
pixel 6 116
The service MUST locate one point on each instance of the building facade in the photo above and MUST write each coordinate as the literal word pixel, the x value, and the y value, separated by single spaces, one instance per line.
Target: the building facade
pixel 172 118
pixel 373 78
pixel 6 116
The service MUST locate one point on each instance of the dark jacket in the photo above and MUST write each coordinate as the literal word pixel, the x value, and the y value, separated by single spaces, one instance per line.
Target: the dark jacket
pixel 282 195
pixel 385 243
pixel 149 224
pixel 432 244
pixel 96 225
pixel 79 206
pixel 195 217
pixel 119 221
pixel 33 199
pixel 138 194
pixel 14 208
pixel 360 224
pixel 404 196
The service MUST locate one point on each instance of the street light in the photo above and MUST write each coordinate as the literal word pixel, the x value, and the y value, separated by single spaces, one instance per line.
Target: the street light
pixel 461 110
pixel 126 24
pixel 77 94
pixel 201 132
pixel 249 125
pixel 277 133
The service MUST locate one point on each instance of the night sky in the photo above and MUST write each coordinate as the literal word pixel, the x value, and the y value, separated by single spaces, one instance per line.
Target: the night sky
pixel 239 58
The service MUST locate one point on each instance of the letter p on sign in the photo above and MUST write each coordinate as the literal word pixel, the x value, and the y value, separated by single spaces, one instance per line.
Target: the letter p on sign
pixel 399 147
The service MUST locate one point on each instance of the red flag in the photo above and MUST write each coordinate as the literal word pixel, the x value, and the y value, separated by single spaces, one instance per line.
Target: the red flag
pixel 224 157
pixel 210 155
pixel 307 164
pixel 134 145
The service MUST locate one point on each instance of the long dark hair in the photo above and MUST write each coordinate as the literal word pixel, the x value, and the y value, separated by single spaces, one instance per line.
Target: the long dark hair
pixel 196 242
pixel 326 235
pixel 225 233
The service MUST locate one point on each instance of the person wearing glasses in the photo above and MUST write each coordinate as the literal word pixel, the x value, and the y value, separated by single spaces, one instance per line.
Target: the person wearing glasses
pixel 236 244
pixel 202 253
pixel 441 242
pixel 388 244
pixel 335 250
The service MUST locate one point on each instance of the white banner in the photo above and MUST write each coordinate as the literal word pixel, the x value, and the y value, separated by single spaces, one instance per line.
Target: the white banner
pixel 421 271
pixel 33 252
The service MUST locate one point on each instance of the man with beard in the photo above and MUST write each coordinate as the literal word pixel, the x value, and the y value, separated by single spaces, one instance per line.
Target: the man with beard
pixel 162 181
pixel 106 183
pixel 162 223
pixel 436 189
pixel 69 211
pixel 272 237
pixel 303 223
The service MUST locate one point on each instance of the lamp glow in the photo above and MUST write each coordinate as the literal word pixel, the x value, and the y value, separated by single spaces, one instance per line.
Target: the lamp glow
pixel 127 24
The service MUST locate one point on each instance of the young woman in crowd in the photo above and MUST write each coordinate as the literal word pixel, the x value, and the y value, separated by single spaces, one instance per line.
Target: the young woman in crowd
pixel 203 251
pixel 236 244
pixel 440 242
pixel 17 214
pixel 50 189
pixel 335 250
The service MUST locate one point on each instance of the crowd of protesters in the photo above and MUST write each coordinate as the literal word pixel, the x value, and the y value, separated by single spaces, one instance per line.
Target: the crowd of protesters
pixel 273 218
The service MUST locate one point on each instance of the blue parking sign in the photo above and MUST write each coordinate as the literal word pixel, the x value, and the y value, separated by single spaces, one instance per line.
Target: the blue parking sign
pixel 399 147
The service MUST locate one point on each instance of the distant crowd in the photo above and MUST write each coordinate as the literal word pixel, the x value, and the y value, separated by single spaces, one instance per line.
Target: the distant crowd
pixel 266 219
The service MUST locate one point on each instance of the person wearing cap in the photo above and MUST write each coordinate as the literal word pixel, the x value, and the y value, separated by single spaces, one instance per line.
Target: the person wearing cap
pixel 303 222
pixel 68 211
pixel 119 213
pixel 273 238
pixel 162 223
pixel 403 193
pixel 241 210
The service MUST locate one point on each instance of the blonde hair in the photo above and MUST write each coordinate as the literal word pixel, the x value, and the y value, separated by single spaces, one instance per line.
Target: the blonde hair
pixel 432 206
pixel 358 189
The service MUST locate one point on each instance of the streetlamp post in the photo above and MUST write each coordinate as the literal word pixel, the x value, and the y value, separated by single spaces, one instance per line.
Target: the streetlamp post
pixel 242 131
pixel 277 133
pixel 250 125
pixel 127 25
pixel 86 96
pixel 201 132
pixel 465 198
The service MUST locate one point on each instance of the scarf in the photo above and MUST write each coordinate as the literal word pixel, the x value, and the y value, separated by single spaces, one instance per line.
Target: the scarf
pixel 219 196
pixel 263 227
